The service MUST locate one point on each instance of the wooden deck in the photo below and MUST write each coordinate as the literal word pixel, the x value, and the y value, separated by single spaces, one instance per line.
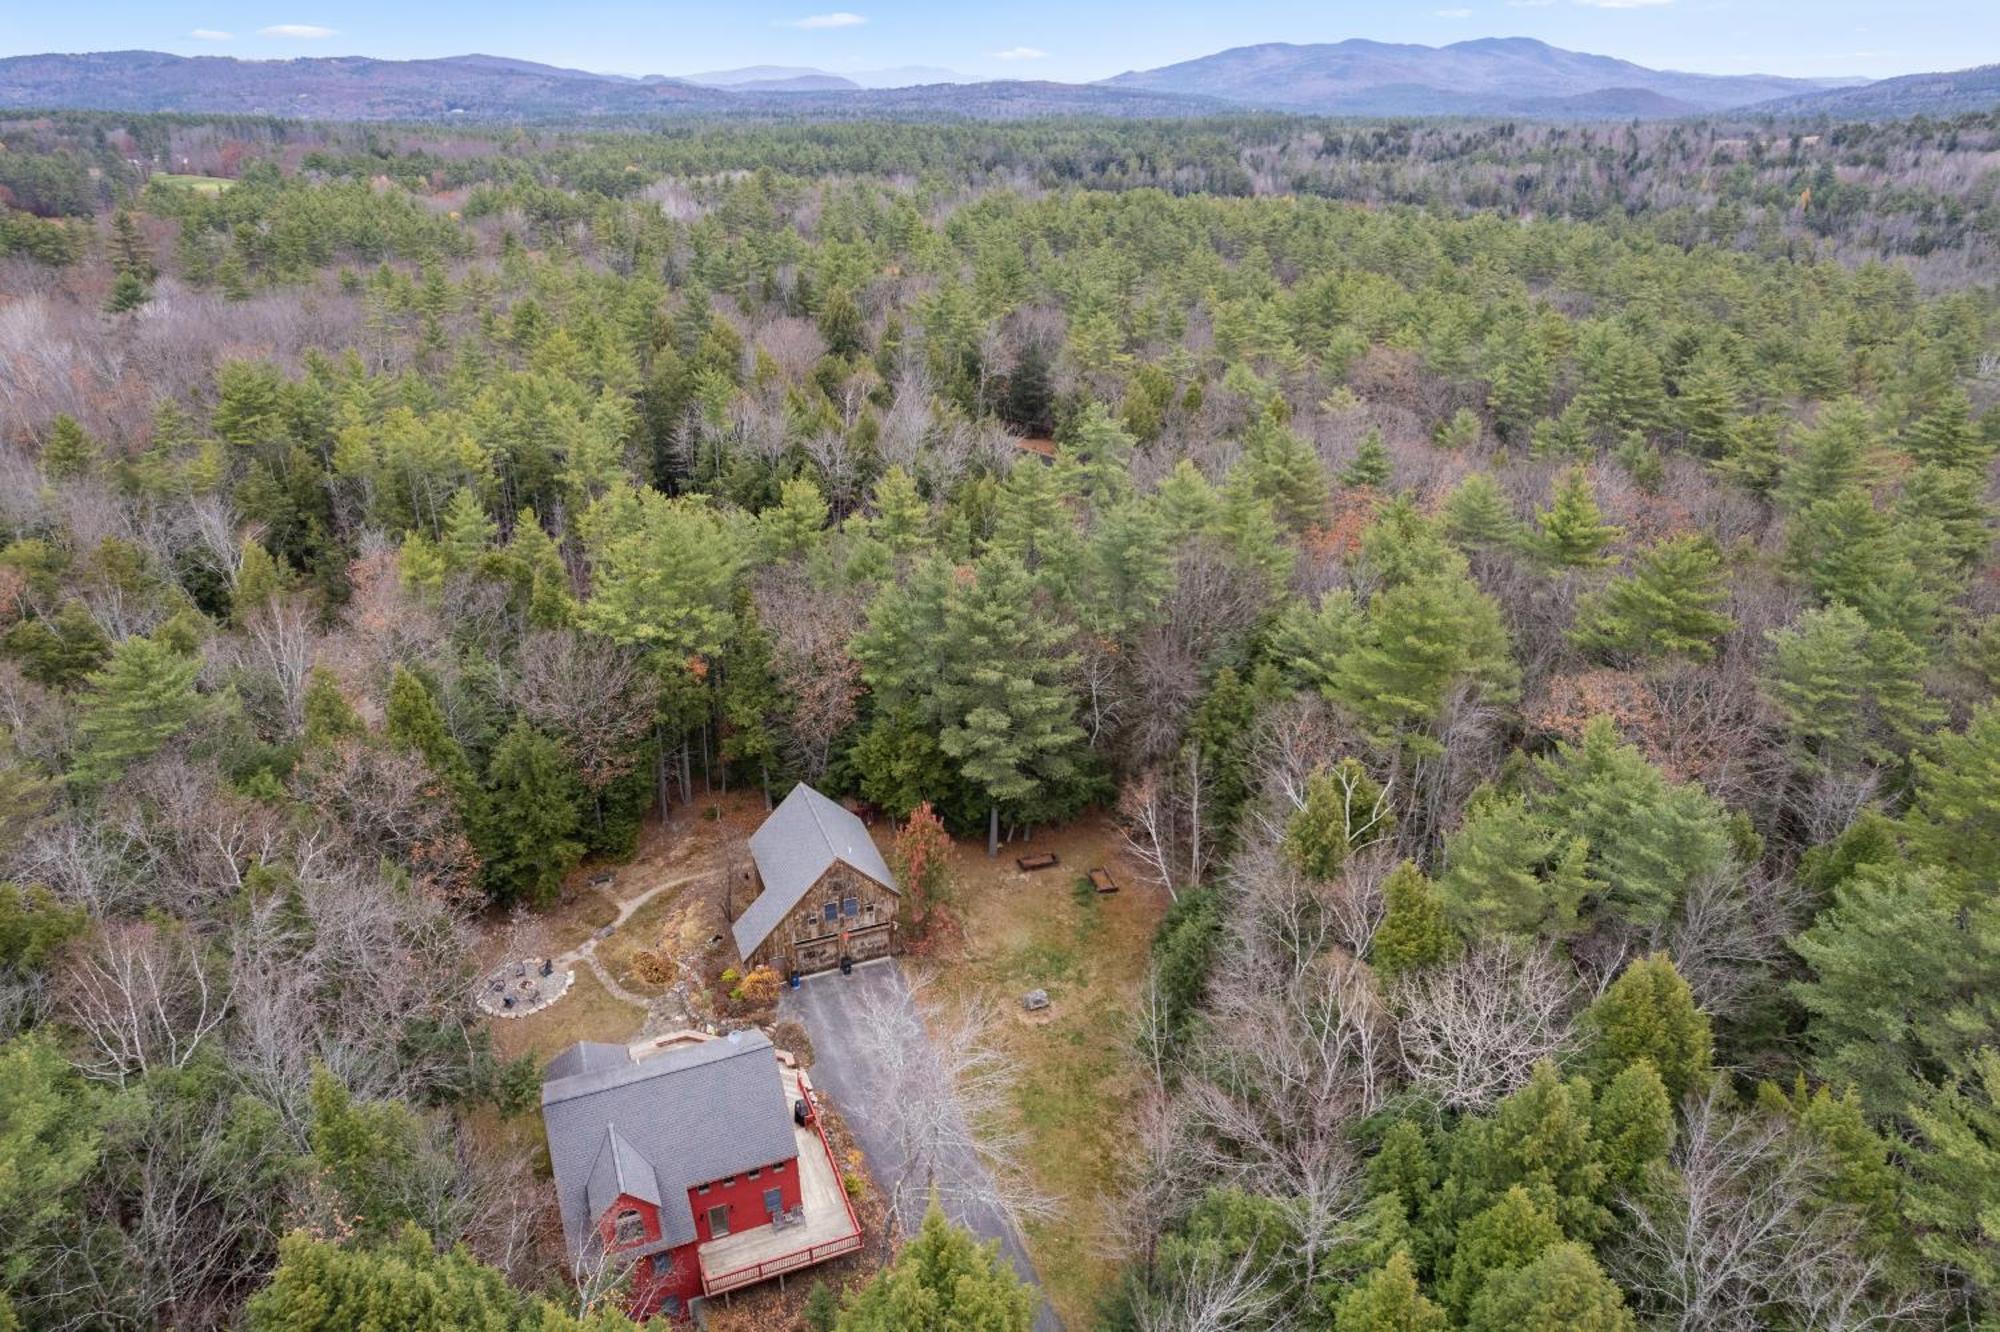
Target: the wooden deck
pixel 829 1229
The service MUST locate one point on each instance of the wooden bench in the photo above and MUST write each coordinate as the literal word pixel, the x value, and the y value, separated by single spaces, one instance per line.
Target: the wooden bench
pixel 1046 860
pixel 1100 879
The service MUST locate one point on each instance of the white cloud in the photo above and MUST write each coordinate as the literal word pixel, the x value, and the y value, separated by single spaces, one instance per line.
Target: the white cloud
pixel 1454 13
pixel 1021 53
pixel 311 32
pixel 1622 4
pixel 843 19
pixel 212 35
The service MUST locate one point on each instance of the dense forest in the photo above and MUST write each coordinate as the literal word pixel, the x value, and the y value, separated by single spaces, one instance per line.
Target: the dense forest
pixel 1525 592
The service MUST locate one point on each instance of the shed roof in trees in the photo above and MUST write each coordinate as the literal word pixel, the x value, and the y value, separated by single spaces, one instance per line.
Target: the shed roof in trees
pixel 653 1127
pixel 805 836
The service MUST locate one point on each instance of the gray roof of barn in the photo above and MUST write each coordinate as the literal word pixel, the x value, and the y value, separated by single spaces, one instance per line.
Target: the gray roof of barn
pixel 797 844
pixel 665 1122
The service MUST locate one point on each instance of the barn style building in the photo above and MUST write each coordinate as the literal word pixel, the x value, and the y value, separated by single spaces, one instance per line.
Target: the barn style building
pixel 824 892
pixel 685 1159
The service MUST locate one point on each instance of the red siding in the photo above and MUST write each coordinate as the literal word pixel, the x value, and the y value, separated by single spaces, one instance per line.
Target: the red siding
pixel 651 1289
pixel 607 1225
pixel 745 1198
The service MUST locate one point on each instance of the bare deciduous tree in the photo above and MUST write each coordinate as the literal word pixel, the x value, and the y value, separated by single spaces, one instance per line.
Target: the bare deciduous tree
pixel 1740 1237
pixel 143 996
pixel 945 1098
pixel 1473 1029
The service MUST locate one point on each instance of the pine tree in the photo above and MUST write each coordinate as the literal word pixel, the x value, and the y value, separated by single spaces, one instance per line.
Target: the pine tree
pixel 139 700
pixel 796 523
pixel 1283 469
pixel 130 254
pixel 128 293
pixel 329 717
pixel 413 720
pixel 1954 1160
pixel 1370 465
pixel 1649 1013
pixel 1521 387
pixel 258 583
pixel 1648 837
pixel 1633 1122
pixel 69 451
pixel 943 1281
pixel 1564 1290
pixel 1572 531
pixel 1706 407
pixel 1902 982
pixel 902 518
pixel 52 1131
pixel 751 702
pixel 531 817
pixel 1414 933
pixel 1954 821
pixel 841 324
pixel 661 573
pixel 1946 437
pixel 1944 512
pixel 1669 605
pixel 1344 808
pixel 405 1283
pixel 1510 1233
pixel 1509 872
pixel 1622 389
pixel 1420 640
pixel 1478 517
pixel 541 573
pixel 1001 696
pixel 1847 694
pixel 1836 455
pixel 1387 1300
pixel 467 531
pixel 1098 457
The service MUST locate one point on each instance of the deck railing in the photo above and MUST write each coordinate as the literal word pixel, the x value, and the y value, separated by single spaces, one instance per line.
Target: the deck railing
pixel 812 1254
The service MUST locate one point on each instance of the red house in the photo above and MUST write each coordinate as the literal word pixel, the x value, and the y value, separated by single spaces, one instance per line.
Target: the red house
pixel 684 1159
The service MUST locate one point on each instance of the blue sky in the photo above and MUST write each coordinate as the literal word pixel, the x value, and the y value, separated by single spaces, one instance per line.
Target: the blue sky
pixel 1077 39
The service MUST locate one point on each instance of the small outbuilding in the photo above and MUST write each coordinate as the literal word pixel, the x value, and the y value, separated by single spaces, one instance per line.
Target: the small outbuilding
pixel 825 895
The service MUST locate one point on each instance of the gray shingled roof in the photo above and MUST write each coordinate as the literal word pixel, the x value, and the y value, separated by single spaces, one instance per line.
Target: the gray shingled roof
pixel 667 1122
pixel 801 840
pixel 620 1170
pixel 586 1057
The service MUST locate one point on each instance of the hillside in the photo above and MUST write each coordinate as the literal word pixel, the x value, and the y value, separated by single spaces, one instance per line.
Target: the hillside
pixel 1493 75
pixel 491 88
pixel 1953 92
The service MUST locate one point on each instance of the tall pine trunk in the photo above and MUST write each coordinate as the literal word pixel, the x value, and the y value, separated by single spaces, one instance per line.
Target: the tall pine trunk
pixel 993 830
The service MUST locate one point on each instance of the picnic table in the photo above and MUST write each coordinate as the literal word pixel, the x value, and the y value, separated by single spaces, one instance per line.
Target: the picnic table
pixel 1045 860
pixel 1100 879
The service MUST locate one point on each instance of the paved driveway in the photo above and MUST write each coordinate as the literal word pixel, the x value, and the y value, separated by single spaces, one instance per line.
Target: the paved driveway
pixel 830 1006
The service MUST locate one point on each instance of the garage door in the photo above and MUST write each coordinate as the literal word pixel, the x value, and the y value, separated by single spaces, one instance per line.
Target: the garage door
pixel 864 945
pixel 817 955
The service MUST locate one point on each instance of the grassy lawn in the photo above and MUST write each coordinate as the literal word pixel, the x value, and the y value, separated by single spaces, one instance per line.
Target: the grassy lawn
pixel 1077 1070
pixel 586 1013
pixel 199 184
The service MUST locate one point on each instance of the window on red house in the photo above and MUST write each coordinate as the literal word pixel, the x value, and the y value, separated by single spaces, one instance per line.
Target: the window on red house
pixel 631 1226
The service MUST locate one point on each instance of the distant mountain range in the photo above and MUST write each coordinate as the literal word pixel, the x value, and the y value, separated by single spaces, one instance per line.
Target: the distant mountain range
pixel 1913 94
pixel 1490 76
pixel 1509 76
pixel 483 87
pixel 800 78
